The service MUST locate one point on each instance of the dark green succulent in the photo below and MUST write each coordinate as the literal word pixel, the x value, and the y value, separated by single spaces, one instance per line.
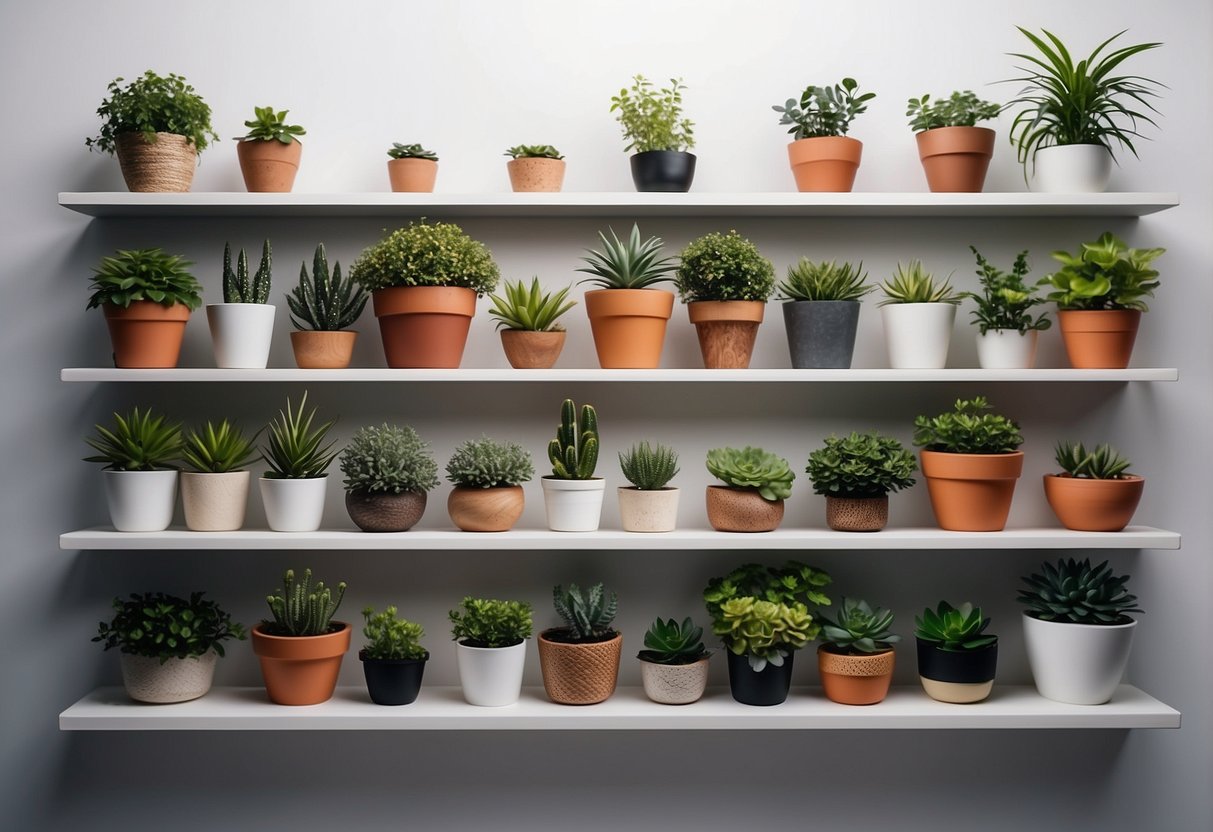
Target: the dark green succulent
pixel 295 450
pixel 861 465
pixel 668 642
pixel 533 151
pixel 1103 463
pixel 238 285
pixel 325 302
pixel 858 629
pixel 530 310
pixel 1073 592
pixel 968 429
pixel 587 614
pixel 144 274
pixel 411 151
pixel 954 629
pixel 574 451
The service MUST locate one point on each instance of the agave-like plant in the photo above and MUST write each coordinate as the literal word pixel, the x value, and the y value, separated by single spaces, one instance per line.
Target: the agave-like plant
pixel 530 309
pixel 295 450
pixel 325 302
pixel 954 629
pixel 634 264
pixel 914 284
pixel 139 441
pixel 1073 592
pixel 1103 463
pixel 808 280
pixel 668 642
pixel 218 449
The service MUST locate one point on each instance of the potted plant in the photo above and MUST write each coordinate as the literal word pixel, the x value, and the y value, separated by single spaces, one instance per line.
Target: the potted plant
pixel 1073 113
pixel 388 470
pixel 821 312
pixel 627 314
pixel 393 660
pixel 169 645
pixel 323 308
pixel 1006 330
pixel 1100 294
pixel 535 167
pixel 157 126
pixel 242 327
pixel 855 474
pixel 1094 492
pixel 300 651
pixel 424 280
pixel 756 482
pixel 856 656
pixel 971 462
pixel 488 477
pixel 140 480
pixel 214 495
pixel 917 312
pixel 412 168
pixel 572 495
pixel 293 489
pixel 580 660
pixel 822 155
pixel 269 153
pixel 654 127
pixel 490 649
pixel 1077 630
pixel 761 614
pixel 954 151
pixel 725 283
pixel 649 504
pixel 527 322
pixel 147 296
pixel 956 657
pixel 674 663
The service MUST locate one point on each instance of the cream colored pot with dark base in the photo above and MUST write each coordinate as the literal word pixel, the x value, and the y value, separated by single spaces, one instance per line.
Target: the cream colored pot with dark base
pixel 214 502
pixel 486 509
pixel 177 680
pixel 648 511
pixel 674 684
pixel 957 676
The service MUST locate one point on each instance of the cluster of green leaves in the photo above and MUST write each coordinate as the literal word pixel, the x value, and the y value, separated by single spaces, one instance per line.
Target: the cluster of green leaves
pixel 574 451
pixel 631 265
pixel 960 109
pixel 914 284
pixel 587 614
pixel 808 280
pixel 1105 274
pixel 411 151
pixel 669 642
pixel 218 449
pixel 533 151
pixel 144 274
pixel 160 626
pixel 652 118
pixel 530 310
pixel 483 622
pixel 861 465
pixel 389 638
pixel 238 286
pixel 752 467
pixel 427 254
pixel 296 451
pixel 1005 299
pixel 824 111
pixel 270 125
pixel 486 463
pixel 325 302
pixel 153 104
pixel 649 467
pixel 1075 593
pixel 139 441
pixel 301 608
pixel 857 629
pixel 955 629
pixel 388 459
pixel 968 429
pixel 724 267
pixel 1102 463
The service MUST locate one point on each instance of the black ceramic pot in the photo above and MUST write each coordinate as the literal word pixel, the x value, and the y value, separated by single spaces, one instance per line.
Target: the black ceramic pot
pixel 821 333
pixel 392 681
pixel 768 686
pixel 968 667
pixel 668 171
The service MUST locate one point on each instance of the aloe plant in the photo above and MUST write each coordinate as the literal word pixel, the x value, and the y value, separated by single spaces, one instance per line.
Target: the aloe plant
pixel 324 301
pixel 634 264
pixel 530 309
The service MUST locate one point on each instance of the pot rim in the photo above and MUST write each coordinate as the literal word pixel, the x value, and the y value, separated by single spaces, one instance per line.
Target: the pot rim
pixel 1102 627
pixel 362 657
pixel 543 636
pixel 258 632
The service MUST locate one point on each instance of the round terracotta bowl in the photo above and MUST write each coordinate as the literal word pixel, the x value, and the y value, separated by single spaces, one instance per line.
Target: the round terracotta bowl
pixel 1087 505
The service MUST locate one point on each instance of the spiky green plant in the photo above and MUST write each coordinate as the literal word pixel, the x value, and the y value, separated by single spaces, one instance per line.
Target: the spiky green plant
pixel 1073 592
pixel 1103 463
pixel 411 151
pixel 389 638
pixel 139 441
pixel 295 450
pixel 668 642
pixel 960 109
pixel 269 125
pixel 1105 274
pixel 968 429
pixel 144 274
pixel 487 463
pixel 388 459
pixel 858 629
pixel 238 287
pixel 530 310
pixel 824 111
pixel 861 465
pixel 486 622
pixel 955 629
pixel 160 626
pixel 587 614
pixel 325 302
pixel 649 467
pixel 574 451
pixel 914 284
pixel 1005 300
pixel 824 280
pixel 724 267
pixel 752 468
pixel 301 608
pixel 533 151
pixel 217 449
pixel 634 264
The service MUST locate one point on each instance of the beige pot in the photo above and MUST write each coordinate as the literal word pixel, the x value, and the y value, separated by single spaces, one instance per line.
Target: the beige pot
pixel 214 502
pixel 486 509
pixel 536 174
pixel 648 511
pixel 177 680
pixel 674 684
pixel 321 350
pixel 165 165
pixel 742 510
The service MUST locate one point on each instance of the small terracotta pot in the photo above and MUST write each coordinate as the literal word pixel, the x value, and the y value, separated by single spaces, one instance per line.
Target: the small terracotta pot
pixel 825 163
pixel 579 674
pixel 486 509
pixel 424 326
pixel 727 330
pixel 955 159
pixel 629 326
pixel 855 680
pixel 1087 505
pixel 674 684
pixel 323 350
pixel 301 670
pixel 534 174
pixel 385 512
pixel 971 492
pixel 163 166
pixel 269 166
pixel 857 514
pixel 1099 338
pixel 742 510
pixel 146 334
pixel 528 350
pixel 415 176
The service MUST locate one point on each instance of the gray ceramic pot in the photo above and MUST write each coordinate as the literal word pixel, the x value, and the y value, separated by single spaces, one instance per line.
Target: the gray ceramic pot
pixel 821 333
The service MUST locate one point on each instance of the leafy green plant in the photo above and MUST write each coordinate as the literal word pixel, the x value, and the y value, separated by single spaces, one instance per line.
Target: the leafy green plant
pixel 724 267
pixel 389 638
pixel 238 287
pixel 954 629
pixel 630 265
pixel 160 626
pixel 153 104
pixel 858 629
pixel 218 449
pixel 484 622
pixel 533 151
pixel 1105 274
pixel 824 280
pixel 486 463
pixel 427 254
pixel 1102 463
pixel 861 465
pixel 668 642
pixel 411 151
pixel 960 109
pixel 649 467
pixel 296 451
pixel 652 118
pixel 322 301
pixel 1005 299
pixel 824 111
pixel 270 125
pixel 139 441
pixel 968 429
pixel 587 614
pixel 1072 592
pixel 574 451
pixel 388 459
pixel 914 284
pixel 530 310
pixel 752 468
pixel 301 608
pixel 144 274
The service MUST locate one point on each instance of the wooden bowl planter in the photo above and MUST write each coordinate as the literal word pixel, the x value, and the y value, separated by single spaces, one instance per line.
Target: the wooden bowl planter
pixel 1093 505
pixel 530 350
pixel 1081 664
pixel 534 174
pixel 1099 338
pixel 165 165
pixel 957 676
pixel 857 514
pixel 293 505
pixel 917 335
pixel 424 326
pixel 855 680
pixel 241 334
pixel 214 502
pixel 146 334
pixel 301 670
pixel 392 681
pixel 494 509
pixel 762 688
pixel 663 171
pixel 141 501
pixel 573 505
pixel 415 176
pixel 491 677
pixel 579 673
pixel 674 684
pixel 825 163
pixel 385 511
pixel 955 159
pixel 727 331
pixel 648 511
pixel 323 350
pixel 742 510
pixel 269 166
pixel 971 492
pixel 821 333
pixel 146 679
pixel 1071 169
pixel 629 326
pixel 1007 349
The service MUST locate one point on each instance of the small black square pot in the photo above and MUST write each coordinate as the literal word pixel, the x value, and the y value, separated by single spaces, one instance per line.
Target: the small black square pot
pixel 667 171
pixel 957 676
pixel 821 333
pixel 766 687
pixel 392 681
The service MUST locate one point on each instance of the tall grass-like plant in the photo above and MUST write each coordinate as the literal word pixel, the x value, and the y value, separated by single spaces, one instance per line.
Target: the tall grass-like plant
pixel 808 280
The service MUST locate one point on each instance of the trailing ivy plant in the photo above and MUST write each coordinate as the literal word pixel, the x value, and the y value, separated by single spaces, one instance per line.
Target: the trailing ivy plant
pixel 861 465
pixel 824 111
pixel 269 125
pixel 1005 299
pixel 160 626
pixel 153 104
pixel 724 267
pixel 144 274
pixel 652 118
pixel 960 109
pixel 968 429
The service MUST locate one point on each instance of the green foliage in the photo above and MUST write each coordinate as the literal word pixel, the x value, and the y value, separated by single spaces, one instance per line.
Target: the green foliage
pixel 669 642
pixel 302 608
pixel 488 623
pixel 533 151
pixel 649 467
pixel 322 302
pixel 486 463
pixel 238 287
pixel 858 629
pixel 153 104
pixel 138 441
pixel 218 449
pixel 587 614
pixel 574 451
pixel 752 468
pixel 270 125
pixel 652 118
pixel 823 280
pixel 861 465
pixel 630 265
pixel 1072 592
pixel 144 274
pixel 530 310
pixel 824 111
pixel 164 627
pixel 388 459
pixel 724 267
pixel 389 638
pixel 296 451
pixel 1005 299
pixel 914 284
pixel 427 254
pixel 1103 463
pixel 411 151
pixel 968 429
pixel 954 629
pixel 960 109
pixel 1105 274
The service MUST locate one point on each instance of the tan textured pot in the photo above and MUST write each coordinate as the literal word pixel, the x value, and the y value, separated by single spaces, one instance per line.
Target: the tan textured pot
pixel 536 174
pixel 323 350
pixel 165 165
pixel 214 502
pixel 269 166
pixel 648 511
pixel 857 514
pixel 415 176
pixel 528 350
pixel 301 670
pixel 742 510
pixel 1099 339
pixel 1087 505
pixel 382 512
pixel 629 326
pixel 674 684
pixel 146 679
pixel 424 326
pixel 579 674
pixel 855 680
pixel 971 492
pixel 727 330
pixel 955 159
pixel 146 334
pixel 486 509
pixel 825 163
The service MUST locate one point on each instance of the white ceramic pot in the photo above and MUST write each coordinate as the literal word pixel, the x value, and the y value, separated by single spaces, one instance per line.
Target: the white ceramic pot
pixel 1007 349
pixel 294 505
pixel 214 502
pixel 241 334
pixel 917 334
pixel 1080 664
pixel 177 680
pixel 491 676
pixel 674 684
pixel 1071 169
pixel 141 501
pixel 648 511
pixel 573 505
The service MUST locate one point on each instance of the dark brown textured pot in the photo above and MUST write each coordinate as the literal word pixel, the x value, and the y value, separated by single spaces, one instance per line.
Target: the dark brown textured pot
pixel 385 512
pixel 857 514
pixel 146 334
pixel 424 326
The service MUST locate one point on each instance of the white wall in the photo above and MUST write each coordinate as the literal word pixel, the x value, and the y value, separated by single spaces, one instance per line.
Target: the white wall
pixel 469 79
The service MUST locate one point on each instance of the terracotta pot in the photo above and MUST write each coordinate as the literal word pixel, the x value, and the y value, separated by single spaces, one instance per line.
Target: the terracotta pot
pixel 214 502
pixel 424 326
pixel 742 510
pixel 674 684
pixel 1099 338
pixel 534 174
pixel 321 350
pixel 163 166
pixel 629 326
pixel 579 674
pixel 301 670
pixel 416 176
pixel 825 163
pixel 385 512
pixel 726 330
pixel 486 509
pixel 147 679
pixel 269 166
pixel 955 159
pixel 855 680
pixel 971 492
pixel 648 511
pixel 1087 505
pixel 857 514
pixel 146 334
pixel 527 350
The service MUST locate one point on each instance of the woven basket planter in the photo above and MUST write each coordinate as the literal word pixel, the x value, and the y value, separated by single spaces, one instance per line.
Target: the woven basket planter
pixel 579 674
pixel 165 165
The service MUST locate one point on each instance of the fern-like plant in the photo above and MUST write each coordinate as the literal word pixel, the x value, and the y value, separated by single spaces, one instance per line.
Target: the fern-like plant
pixel 587 614
pixel 139 441
pixel 1005 300
pixel 218 449
pixel 325 302
pixel 301 608
pixel 530 310
pixel 238 286
pixel 649 467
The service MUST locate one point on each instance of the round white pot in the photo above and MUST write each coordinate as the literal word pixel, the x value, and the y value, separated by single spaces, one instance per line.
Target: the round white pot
pixel 214 502
pixel 1071 169
pixel 241 334
pixel 573 505
pixel 674 684
pixel 177 680
pixel 491 676
pixel 141 501
pixel 1077 663
pixel 648 511
pixel 1007 349
pixel 917 334
pixel 294 505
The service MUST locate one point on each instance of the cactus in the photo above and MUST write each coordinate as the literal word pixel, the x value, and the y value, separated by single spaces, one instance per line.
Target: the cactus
pixel 587 615
pixel 574 451
pixel 322 302
pixel 237 286
pixel 303 608
pixel 649 468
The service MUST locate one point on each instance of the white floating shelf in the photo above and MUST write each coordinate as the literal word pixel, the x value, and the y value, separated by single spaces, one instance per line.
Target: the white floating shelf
pixel 617 204
pixel 443 709
pixel 1133 537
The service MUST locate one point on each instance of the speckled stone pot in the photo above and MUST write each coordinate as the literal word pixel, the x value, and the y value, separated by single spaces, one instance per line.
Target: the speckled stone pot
pixel 742 510
pixel 855 680
pixel 857 514
pixel 821 333
pixel 648 511
pixel 674 684
pixel 536 174
pixel 214 502
pixel 385 512
pixel 177 680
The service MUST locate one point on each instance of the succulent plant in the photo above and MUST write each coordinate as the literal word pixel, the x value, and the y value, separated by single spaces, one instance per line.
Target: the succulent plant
pixel 302 608
pixel 389 638
pixel 144 274
pixel 486 463
pixel 533 151
pixel 218 449
pixel 269 124
pixel 861 465
pixel 587 614
pixel 388 459
pixel 724 267
pixel 485 622
pixel 968 429
pixel 1103 463
pixel 954 629
pixel 668 642
pixel 160 626
pixel 858 629
pixel 634 264
pixel 574 451
pixel 824 111
pixel 411 151
pixel 1105 274
pixel 139 441
pixel 1005 299
pixel 295 451
pixel 824 280
pixel 649 468
pixel 1073 592
pixel 914 284
pixel 325 302
pixel 530 310
pixel 238 287
pixel 960 109
pixel 752 468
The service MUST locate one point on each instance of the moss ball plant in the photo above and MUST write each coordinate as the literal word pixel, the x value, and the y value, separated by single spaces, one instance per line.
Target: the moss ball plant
pixel 427 254
pixel 388 460
pixel 724 267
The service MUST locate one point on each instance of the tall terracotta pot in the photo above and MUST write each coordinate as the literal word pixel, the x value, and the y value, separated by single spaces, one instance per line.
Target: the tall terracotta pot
pixel 579 674
pixel 825 163
pixel 1099 338
pixel 1088 505
pixel 424 326
pixel 533 174
pixel 412 175
pixel 855 680
pixel 971 492
pixel 629 326
pixel 955 159
pixel 146 334
pixel 165 165
pixel 301 670
pixel 727 330
pixel 269 166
